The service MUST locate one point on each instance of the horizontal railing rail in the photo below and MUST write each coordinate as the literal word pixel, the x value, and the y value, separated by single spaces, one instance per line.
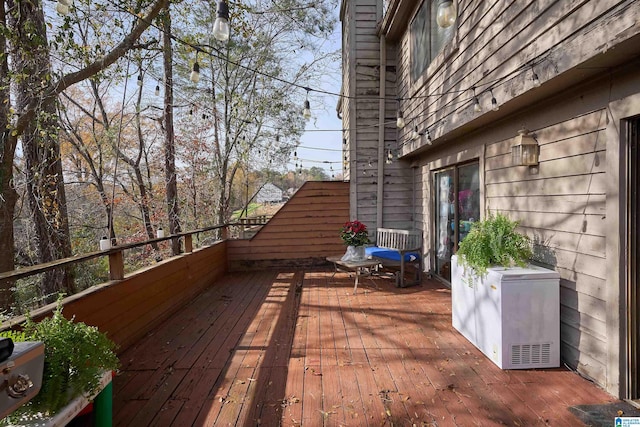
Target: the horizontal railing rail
pixel 116 259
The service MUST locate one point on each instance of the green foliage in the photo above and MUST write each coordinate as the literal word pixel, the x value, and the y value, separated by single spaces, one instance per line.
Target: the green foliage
pixel 76 355
pixel 494 241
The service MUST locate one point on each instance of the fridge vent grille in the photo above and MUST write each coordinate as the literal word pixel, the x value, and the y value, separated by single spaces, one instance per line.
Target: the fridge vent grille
pixel 531 354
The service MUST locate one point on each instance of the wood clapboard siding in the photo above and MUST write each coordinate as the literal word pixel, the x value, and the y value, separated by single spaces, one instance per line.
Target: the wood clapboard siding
pixel 496 44
pixel 306 229
pixel 562 208
pixel 128 309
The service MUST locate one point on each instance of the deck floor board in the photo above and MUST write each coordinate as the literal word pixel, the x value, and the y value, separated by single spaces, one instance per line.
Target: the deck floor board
pixel 297 348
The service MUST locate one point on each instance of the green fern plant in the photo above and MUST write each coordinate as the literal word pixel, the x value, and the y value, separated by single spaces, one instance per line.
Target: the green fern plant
pixel 494 241
pixel 75 357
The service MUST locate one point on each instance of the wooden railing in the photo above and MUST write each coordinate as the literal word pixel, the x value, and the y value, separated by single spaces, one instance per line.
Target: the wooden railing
pixel 116 256
pixel 128 305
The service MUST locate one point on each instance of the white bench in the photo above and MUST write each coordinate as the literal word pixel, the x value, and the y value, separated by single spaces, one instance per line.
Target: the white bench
pixel 399 250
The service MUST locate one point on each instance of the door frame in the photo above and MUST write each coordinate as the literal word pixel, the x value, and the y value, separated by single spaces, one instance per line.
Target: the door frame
pixel 617 243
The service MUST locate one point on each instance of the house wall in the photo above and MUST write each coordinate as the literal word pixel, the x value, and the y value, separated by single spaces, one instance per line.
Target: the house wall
pixel 585 54
pixel 498 47
pixel 562 206
pixel 380 193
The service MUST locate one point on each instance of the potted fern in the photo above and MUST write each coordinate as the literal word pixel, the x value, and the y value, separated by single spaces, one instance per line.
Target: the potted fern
pixel 506 307
pixel 494 242
pixel 76 356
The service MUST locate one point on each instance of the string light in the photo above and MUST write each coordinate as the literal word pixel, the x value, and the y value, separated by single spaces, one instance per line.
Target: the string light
pixel 306 112
pixel 535 78
pixel 221 25
pixel 446 14
pixel 415 134
pixel 195 72
pixel 62 7
pixel 400 120
pixel 476 102
pixel 494 101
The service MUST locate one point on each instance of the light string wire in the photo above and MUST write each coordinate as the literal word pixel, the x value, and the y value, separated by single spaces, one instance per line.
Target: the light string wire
pixel 457 104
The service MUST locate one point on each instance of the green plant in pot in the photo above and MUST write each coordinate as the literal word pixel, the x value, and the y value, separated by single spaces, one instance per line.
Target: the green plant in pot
pixel 75 357
pixel 494 242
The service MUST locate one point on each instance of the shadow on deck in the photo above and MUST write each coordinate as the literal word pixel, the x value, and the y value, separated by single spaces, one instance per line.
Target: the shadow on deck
pixel 294 347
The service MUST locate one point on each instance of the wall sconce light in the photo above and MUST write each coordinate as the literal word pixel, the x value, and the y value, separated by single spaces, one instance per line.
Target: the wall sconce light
pixel 159 233
pixel 526 151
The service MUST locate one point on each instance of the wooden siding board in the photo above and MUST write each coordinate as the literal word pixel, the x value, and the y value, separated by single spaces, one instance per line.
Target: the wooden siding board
pixel 579 184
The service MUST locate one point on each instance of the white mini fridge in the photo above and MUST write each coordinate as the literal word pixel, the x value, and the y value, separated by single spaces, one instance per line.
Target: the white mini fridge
pixel 512 315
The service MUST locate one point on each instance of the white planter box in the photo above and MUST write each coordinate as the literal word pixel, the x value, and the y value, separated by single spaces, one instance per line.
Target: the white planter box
pixel 512 314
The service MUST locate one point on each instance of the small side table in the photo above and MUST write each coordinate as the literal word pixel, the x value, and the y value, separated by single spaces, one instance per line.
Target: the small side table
pixel 359 267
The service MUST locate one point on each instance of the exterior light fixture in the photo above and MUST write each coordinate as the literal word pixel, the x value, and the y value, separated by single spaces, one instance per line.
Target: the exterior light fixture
pixel 159 233
pixel 195 72
pixel 140 80
pixel 389 157
pixel 446 14
pixel 221 24
pixel 157 91
pixel 526 151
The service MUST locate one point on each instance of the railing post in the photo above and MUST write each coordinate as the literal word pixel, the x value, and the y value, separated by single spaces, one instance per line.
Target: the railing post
pixel 116 266
pixel 188 243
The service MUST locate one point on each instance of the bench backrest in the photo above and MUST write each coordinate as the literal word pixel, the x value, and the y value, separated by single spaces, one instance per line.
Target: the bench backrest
pixel 401 240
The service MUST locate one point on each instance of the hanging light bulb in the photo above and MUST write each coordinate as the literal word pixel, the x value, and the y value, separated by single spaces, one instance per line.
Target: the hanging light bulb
pixel 195 72
pixel 535 78
pixel 415 134
pixel 221 25
pixel 494 102
pixel 400 120
pixel 140 80
pixel 62 7
pixel 157 91
pixel 446 14
pixel 306 112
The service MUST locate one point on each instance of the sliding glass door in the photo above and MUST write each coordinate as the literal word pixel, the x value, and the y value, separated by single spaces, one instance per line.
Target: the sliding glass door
pixel 457 206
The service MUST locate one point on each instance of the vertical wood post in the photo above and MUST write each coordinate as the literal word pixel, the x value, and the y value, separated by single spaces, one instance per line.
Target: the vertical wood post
pixel 188 243
pixel 116 266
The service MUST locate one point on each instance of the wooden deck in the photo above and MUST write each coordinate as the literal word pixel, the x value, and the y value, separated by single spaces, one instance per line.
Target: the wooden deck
pixel 297 348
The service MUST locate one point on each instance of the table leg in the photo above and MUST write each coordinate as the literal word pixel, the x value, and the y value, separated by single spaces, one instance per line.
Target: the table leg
pixel 355 287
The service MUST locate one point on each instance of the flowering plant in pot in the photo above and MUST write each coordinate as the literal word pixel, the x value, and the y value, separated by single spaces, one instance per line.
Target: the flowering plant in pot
pixel 354 234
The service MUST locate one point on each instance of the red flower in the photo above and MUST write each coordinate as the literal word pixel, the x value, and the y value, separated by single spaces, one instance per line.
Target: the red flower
pixel 354 233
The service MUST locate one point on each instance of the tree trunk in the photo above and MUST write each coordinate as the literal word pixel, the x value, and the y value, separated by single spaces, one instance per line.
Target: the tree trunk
pixel 44 180
pixel 8 195
pixel 169 136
